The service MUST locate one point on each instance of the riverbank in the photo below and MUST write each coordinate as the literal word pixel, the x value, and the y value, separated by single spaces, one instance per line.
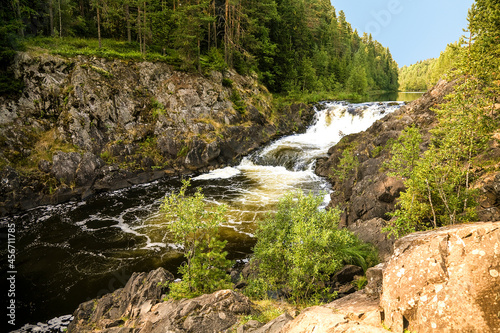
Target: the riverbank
pixel 85 125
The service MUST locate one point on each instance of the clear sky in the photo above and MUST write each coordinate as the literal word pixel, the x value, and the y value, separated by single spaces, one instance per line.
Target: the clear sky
pixel 412 29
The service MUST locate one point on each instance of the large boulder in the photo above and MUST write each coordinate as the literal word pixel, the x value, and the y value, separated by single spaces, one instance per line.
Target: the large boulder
pixel 371 232
pixel 356 313
pixel 445 280
pixel 142 291
pixel 210 313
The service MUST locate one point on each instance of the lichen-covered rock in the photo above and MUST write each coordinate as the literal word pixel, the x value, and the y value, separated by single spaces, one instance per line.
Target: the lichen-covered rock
pixel 64 166
pixel 445 280
pixel 355 313
pixel 375 278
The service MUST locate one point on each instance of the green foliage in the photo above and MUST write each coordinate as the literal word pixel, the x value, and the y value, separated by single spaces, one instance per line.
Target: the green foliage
pixel 360 283
pixel 405 152
pixel 300 247
pixel 238 103
pixel 347 166
pixel 157 108
pixel 439 185
pixel 195 225
pixel 213 61
pixel 228 83
pixel 425 74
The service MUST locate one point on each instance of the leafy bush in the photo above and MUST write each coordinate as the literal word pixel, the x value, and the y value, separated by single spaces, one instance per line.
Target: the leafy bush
pixel 300 247
pixel 228 83
pixel 238 103
pixel 195 227
pixel 213 61
pixel 348 165
pixel 405 152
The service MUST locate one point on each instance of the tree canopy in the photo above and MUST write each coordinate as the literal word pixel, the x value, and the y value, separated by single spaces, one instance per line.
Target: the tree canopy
pixel 293 45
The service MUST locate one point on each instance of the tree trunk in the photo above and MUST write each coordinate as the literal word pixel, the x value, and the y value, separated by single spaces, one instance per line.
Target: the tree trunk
pixel 99 26
pixel 127 18
pixel 144 30
pixel 226 34
pixel 18 12
pixel 139 34
pixel 60 19
pixel 51 17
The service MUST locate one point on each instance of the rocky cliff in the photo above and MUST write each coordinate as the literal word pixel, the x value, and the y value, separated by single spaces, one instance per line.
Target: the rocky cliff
pixel 85 125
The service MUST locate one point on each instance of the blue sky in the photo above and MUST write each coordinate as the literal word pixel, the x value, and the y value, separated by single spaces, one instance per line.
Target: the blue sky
pixel 412 29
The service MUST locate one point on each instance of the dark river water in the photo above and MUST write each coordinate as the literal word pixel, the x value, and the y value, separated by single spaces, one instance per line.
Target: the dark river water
pixel 73 252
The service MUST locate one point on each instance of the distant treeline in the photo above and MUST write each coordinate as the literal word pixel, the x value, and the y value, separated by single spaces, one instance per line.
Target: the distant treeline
pixel 425 74
pixel 292 45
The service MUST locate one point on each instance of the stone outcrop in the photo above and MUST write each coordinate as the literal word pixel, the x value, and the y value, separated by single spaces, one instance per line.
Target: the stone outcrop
pixel 211 313
pixel 139 307
pixel 84 125
pixel 445 280
pixel 371 232
pixel 139 295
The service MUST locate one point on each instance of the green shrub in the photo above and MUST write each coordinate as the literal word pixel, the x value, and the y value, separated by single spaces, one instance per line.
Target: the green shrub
pixel 214 60
pixel 157 108
pixel 348 165
pixel 238 103
pixel 300 247
pixel 195 225
pixel 228 83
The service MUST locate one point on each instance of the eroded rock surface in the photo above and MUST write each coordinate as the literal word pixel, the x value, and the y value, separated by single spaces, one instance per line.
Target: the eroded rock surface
pixel 445 280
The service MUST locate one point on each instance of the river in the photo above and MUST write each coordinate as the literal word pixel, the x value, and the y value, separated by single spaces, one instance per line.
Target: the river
pixel 73 252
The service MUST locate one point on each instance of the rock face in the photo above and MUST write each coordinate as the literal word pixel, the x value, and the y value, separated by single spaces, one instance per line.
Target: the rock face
pixel 84 125
pixel 371 232
pixel 446 280
pixel 141 292
pixel 208 313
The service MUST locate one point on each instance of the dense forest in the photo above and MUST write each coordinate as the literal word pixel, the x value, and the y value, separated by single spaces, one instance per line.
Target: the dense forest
pixel 425 74
pixel 293 45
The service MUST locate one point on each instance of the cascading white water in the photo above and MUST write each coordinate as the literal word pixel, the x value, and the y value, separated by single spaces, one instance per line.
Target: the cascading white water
pixel 288 163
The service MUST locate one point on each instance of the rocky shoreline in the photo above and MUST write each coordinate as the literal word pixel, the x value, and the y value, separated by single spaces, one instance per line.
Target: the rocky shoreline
pixel 87 125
